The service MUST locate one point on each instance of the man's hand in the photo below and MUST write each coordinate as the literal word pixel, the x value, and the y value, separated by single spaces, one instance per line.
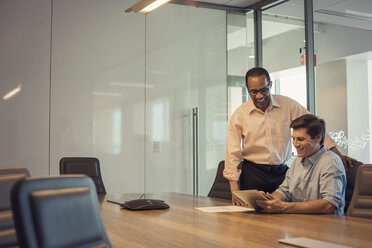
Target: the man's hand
pixel 273 206
pixel 235 200
pixel 347 161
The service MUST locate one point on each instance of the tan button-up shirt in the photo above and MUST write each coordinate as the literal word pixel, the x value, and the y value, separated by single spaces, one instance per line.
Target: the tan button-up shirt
pixel 262 137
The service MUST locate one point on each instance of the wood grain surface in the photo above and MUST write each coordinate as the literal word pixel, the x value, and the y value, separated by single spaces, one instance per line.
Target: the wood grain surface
pixel 184 226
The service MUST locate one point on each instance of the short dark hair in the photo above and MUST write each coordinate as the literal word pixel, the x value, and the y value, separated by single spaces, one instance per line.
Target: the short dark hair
pixel 255 72
pixel 314 126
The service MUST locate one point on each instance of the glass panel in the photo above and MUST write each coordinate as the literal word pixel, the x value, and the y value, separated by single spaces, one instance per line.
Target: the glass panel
pixel 283 49
pixel 343 91
pixel 240 52
pixel 185 68
pixel 283 41
pixel 97 90
pixel 24 84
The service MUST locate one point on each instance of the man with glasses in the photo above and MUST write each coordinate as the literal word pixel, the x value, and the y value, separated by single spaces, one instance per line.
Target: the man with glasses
pixel 259 137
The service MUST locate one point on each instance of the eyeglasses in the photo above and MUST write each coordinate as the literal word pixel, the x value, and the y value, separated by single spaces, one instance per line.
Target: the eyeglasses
pixel 263 91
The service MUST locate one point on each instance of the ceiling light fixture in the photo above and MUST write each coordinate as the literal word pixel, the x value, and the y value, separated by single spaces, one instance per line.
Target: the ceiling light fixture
pixel 146 6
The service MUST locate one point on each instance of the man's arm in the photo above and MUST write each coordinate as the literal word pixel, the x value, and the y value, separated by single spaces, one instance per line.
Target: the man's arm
pixel 233 156
pixel 315 206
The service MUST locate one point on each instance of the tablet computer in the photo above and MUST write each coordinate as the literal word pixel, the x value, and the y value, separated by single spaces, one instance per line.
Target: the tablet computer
pixel 249 197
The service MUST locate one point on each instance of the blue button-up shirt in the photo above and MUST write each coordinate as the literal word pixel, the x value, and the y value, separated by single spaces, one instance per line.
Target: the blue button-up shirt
pixel 320 176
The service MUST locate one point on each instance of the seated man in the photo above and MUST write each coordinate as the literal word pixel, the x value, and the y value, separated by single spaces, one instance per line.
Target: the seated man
pixel 316 181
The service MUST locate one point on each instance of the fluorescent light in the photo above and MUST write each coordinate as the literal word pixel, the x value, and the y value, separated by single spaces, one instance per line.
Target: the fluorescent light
pixel 12 93
pixel 153 6
pixel 146 6
pixel 251 56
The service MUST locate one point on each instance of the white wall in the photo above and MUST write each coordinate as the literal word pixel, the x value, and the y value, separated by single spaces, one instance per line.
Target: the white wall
pixel 24 60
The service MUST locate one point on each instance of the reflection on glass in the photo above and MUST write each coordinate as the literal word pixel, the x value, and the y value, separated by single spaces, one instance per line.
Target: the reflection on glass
pixel 240 52
pixel 343 76
pixel 109 94
pixel 291 83
pixel 12 93
pixel 160 121
pixel 128 84
pixel 110 120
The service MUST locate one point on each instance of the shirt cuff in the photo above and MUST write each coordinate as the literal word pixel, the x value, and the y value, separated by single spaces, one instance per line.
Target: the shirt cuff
pixel 232 176
pixel 284 196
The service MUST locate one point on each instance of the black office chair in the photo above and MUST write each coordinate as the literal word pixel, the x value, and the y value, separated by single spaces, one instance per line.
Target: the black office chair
pixel 59 211
pixel 86 166
pixel 361 202
pixel 350 183
pixel 8 177
pixel 221 186
pixel 14 170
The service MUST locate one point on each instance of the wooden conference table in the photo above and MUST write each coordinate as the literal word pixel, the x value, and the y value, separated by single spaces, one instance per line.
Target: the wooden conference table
pixel 184 226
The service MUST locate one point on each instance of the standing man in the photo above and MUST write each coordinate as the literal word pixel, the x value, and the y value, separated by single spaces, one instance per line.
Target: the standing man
pixel 316 181
pixel 259 133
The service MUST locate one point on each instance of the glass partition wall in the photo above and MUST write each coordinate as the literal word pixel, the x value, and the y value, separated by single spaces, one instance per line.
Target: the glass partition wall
pixel 146 95
pixel 240 57
pixel 342 66
pixel 132 90
pixel 186 103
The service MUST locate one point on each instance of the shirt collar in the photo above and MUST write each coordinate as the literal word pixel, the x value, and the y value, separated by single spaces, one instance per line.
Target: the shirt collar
pixel 315 157
pixel 273 103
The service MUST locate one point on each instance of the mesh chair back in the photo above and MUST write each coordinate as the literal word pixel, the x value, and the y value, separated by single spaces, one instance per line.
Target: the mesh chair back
pixel 361 202
pixel 60 211
pixel 86 166
pixel 221 186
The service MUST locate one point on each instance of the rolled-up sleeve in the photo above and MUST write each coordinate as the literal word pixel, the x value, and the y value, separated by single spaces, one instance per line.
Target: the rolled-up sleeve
pixel 233 155
pixel 333 183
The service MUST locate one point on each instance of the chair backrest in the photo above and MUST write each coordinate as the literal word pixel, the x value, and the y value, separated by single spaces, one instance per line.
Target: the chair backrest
pixel 361 202
pixel 8 177
pixel 83 165
pixel 8 237
pixel 6 185
pixel 221 186
pixel 14 170
pixel 350 183
pixel 59 211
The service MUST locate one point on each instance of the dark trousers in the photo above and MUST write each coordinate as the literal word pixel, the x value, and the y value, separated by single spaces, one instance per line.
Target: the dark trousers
pixel 261 177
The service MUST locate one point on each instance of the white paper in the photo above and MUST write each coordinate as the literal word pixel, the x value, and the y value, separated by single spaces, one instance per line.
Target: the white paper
pixel 310 243
pixel 220 209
